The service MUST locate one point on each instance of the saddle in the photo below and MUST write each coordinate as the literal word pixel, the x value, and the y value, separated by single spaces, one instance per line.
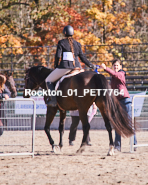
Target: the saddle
pixel 71 73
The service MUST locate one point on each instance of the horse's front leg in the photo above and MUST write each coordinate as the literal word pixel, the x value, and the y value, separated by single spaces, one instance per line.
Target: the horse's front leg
pixel 86 127
pixel 61 127
pixel 51 112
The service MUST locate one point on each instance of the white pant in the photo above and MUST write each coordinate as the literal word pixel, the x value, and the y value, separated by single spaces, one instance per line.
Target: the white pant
pixel 56 74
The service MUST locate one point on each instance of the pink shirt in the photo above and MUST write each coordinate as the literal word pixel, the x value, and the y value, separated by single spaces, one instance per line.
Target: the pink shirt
pixel 118 82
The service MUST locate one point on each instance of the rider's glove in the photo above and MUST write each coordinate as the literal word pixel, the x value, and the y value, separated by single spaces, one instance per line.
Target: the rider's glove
pixel 92 66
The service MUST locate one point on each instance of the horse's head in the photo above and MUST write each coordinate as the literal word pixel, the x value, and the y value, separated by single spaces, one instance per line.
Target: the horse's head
pixel 30 83
pixel 10 83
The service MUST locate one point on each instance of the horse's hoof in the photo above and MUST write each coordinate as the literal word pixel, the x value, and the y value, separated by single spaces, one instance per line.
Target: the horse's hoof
pixel 81 149
pixel 60 148
pixel 55 148
pixel 111 151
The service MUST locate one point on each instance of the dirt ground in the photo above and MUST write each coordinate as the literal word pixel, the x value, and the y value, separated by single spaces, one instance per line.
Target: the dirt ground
pixel 93 167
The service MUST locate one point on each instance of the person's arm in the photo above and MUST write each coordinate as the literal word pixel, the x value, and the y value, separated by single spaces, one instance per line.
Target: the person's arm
pixel 94 106
pixel 6 93
pixel 118 75
pixel 84 59
pixel 93 112
pixel 6 97
pixel 58 55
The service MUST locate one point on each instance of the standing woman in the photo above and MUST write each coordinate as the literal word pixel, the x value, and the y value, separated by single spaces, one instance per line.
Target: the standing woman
pixel 118 82
pixel 68 50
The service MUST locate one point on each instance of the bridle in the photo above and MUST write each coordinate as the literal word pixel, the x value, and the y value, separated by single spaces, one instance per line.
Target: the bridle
pixel 28 77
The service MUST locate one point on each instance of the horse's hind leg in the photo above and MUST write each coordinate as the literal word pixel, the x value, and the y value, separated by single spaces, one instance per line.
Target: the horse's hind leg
pixel 108 127
pixel 51 111
pixel 86 127
pixel 61 126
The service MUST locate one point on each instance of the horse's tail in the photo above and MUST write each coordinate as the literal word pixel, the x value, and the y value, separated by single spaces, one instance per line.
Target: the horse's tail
pixel 118 117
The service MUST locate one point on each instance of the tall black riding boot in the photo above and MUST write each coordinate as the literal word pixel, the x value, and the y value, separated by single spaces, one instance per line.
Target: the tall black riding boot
pixel 52 100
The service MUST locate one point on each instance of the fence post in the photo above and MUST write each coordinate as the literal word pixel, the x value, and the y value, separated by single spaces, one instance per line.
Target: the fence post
pixel 48 56
pixel 11 60
pixel 122 54
pixel 18 126
pixel 85 54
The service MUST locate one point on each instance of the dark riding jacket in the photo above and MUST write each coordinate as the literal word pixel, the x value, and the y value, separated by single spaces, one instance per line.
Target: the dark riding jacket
pixel 64 46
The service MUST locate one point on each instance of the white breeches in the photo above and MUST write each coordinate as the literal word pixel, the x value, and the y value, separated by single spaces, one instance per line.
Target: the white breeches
pixel 56 74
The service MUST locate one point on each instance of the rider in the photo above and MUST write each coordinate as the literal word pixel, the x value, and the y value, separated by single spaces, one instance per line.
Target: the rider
pixel 68 50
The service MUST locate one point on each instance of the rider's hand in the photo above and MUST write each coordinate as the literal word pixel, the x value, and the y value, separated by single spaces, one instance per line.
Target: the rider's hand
pixel 92 66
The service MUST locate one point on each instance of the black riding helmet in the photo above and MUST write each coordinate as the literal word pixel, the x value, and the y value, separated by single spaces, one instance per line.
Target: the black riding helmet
pixel 68 31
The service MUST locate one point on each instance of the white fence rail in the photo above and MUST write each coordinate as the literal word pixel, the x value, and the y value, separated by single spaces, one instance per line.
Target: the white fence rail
pixel 140 115
pixel 17 128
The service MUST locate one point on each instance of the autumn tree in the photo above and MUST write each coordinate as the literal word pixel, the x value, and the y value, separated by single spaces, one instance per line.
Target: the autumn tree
pixel 97 23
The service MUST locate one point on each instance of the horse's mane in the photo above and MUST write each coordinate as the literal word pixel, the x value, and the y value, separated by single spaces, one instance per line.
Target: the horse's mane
pixel 36 68
pixel 41 71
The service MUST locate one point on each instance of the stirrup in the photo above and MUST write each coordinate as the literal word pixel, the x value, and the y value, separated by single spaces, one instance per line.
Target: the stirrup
pixel 52 102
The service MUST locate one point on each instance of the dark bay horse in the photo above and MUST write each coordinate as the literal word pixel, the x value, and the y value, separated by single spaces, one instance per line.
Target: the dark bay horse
pixel 111 111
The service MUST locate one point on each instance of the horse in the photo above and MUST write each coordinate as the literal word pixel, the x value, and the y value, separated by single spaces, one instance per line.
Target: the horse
pixel 109 106
pixel 10 83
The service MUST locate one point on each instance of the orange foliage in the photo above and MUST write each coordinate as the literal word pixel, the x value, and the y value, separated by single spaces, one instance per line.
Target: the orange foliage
pixel 53 17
